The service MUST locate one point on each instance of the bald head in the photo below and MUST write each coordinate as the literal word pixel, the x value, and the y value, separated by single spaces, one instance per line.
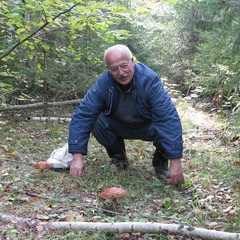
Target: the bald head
pixel 117 49
pixel 119 62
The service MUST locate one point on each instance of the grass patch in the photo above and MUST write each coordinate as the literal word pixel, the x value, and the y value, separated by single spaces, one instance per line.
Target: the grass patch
pixel 209 198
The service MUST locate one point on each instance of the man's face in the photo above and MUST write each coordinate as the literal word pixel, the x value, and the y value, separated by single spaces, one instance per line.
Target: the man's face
pixel 120 66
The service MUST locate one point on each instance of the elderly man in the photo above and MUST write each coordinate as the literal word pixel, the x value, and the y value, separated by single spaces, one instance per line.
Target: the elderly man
pixel 128 101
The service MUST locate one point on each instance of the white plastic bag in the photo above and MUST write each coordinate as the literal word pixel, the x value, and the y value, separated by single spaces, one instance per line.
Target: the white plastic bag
pixel 61 158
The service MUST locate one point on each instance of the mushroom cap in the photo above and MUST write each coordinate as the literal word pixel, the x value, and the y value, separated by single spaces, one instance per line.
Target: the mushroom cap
pixel 43 165
pixel 113 193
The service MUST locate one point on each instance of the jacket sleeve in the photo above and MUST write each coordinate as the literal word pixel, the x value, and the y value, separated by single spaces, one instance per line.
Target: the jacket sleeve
pixel 165 118
pixel 84 117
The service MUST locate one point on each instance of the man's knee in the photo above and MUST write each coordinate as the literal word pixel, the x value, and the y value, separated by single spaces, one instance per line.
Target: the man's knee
pixel 103 132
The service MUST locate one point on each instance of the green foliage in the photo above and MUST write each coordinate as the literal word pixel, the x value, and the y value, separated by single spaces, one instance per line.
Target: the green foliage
pixel 217 61
pixel 198 49
pixel 56 45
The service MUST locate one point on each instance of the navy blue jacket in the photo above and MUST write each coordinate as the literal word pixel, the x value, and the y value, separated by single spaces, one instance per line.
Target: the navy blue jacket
pixel 152 101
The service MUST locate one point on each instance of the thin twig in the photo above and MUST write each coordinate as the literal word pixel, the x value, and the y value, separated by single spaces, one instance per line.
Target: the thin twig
pixel 36 31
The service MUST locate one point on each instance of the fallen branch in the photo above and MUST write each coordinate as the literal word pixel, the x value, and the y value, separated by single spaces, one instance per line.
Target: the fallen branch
pixel 50 119
pixel 41 104
pixel 145 227
pixel 142 227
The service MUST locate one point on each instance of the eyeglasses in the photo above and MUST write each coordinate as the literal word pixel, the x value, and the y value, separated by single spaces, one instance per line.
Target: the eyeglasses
pixel 123 67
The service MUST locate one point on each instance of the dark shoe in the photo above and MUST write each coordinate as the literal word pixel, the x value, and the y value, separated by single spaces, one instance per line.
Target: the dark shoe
pixel 160 163
pixel 160 171
pixel 118 154
pixel 120 164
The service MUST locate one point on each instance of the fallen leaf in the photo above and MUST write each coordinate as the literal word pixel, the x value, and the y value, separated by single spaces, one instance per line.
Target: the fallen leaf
pixel 211 224
pixel 7 189
pixel 226 210
pixel 96 161
pixel 80 218
pixel 11 152
pixel 34 199
pixel 123 236
pixel 190 166
pixel 5 172
pixel 96 218
pixel 139 160
pixel 234 187
pixel 11 224
pixel 140 151
pixel 40 228
pixel 69 218
pixel 42 217
pixel 197 210
pixel 48 208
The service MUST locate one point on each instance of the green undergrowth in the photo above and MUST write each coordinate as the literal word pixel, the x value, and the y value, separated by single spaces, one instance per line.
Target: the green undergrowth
pixel 209 198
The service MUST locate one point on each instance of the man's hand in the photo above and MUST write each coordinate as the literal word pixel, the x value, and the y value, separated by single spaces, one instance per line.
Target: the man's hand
pixel 176 172
pixel 78 166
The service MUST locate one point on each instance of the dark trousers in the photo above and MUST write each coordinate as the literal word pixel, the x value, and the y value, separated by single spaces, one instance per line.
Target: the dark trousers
pixel 108 131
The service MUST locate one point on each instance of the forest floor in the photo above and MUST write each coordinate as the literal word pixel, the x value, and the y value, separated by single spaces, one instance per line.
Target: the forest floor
pixel 209 198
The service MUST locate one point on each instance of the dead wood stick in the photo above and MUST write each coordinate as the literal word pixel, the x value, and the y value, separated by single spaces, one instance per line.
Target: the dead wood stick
pixel 50 119
pixel 143 227
pixel 41 104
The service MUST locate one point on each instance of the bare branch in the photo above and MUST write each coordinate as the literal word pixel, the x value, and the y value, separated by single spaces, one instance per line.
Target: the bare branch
pixel 36 31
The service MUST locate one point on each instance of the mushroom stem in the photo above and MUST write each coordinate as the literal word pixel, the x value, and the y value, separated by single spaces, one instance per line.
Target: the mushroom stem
pixel 114 205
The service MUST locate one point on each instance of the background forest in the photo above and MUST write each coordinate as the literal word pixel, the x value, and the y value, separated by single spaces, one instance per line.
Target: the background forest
pixel 52 50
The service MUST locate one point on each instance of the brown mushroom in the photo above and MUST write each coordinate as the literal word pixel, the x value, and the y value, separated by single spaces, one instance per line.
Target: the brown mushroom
pixel 43 165
pixel 113 193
